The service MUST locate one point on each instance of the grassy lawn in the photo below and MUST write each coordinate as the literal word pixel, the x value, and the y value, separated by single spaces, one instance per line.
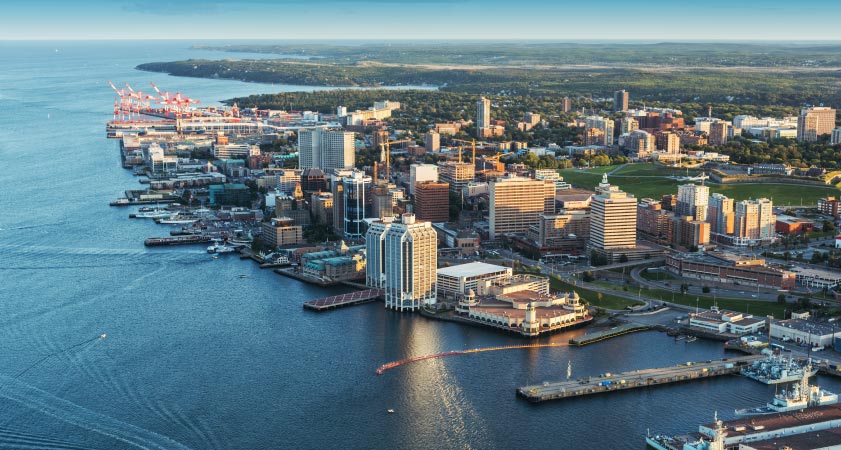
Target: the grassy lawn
pixel 642 187
pixel 754 307
pixel 607 301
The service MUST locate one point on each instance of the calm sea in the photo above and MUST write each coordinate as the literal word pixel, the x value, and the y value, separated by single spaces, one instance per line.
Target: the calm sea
pixel 197 357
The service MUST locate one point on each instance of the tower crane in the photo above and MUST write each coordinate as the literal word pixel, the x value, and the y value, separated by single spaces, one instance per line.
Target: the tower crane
pixel 472 143
pixel 386 146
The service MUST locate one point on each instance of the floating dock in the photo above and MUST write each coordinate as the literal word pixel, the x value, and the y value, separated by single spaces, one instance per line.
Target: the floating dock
pixel 635 379
pixel 177 240
pixel 338 301
pixel 607 334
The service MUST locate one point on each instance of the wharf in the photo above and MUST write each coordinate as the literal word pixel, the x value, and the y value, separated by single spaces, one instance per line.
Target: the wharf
pixel 338 301
pixel 176 240
pixel 634 379
pixel 607 334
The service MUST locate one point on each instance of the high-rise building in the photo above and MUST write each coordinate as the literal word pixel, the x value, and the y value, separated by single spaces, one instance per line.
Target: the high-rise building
pixel 321 207
pixel 380 139
pixel 620 100
pixel 754 221
pixel 456 174
pixel 375 252
pixel 652 219
pixel 640 143
pixel 721 214
pixel 692 200
pixel 668 142
pixel 483 116
pixel 628 125
pixel 688 232
pixel 719 132
pixel 355 190
pixel 566 104
pixel 326 149
pixel 613 218
pixel 516 203
pixel 835 139
pixel 815 122
pixel 382 201
pixel 281 231
pixel 418 173
pixel 829 206
pixel 606 125
pixel 411 261
pixel 338 191
pixel 432 141
pixel 432 201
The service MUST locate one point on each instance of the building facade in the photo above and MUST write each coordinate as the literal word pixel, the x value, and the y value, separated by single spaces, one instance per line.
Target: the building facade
pixel 411 260
pixel 516 203
pixel 326 149
pixel 432 201
pixel 613 218
pixel 815 122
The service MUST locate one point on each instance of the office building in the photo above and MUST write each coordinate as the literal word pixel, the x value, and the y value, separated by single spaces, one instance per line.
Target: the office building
pixel 620 100
pixel 456 174
pixel 835 139
pixel 326 149
pixel 516 203
pixel 483 116
pixel 375 252
pixel 432 201
pixel 355 191
pixel 418 173
pixel 692 200
pixel 721 213
pixel 432 141
pixel 281 231
pixel 815 122
pixel 382 201
pixel 411 260
pixel 613 219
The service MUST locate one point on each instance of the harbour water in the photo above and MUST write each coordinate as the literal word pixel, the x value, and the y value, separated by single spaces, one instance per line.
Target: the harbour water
pixel 198 357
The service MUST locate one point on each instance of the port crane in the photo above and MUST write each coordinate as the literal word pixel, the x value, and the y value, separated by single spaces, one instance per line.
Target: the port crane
pixel 386 148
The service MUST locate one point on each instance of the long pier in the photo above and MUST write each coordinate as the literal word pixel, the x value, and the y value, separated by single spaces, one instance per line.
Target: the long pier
pixel 634 379
pixel 338 301
pixel 176 240
pixel 607 334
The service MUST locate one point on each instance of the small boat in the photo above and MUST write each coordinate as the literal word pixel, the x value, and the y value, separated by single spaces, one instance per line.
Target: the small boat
pixel 391 411
pixel 243 276
pixel 691 339
pixel 680 337
pixel 220 247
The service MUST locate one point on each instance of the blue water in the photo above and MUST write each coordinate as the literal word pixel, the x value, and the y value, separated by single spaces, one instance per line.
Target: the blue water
pixel 197 357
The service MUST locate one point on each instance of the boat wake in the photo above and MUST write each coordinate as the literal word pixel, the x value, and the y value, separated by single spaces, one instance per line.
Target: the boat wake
pixel 19 257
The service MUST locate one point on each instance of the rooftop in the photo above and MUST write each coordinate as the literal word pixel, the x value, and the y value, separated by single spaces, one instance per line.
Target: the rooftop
pixel 808 326
pixel 830 438
pixel 471 269
pixel 813 415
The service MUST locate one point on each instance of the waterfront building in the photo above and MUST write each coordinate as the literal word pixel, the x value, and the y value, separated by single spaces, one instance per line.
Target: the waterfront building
pixel 692 200
pixel 229 194
pixel 326 149
pixel 334 266
pixel 721 214
pixel 516 203
pixel 432 141
pixel 620 100
pixel 804 331
pixel 419 173
pixel 456 174
pixel 411 259
pixel 723 321
pixel 456 281
pixel 729 268
pixel 613 219
pixel 432 201
pixel 483 117
pixel 281 231
pixel 375 252
pixel 815 122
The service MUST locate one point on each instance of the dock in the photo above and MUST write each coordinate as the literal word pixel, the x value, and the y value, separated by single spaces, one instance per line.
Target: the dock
pixel 176 240
pixel 607 334
pixel 338 301
pixel 635 379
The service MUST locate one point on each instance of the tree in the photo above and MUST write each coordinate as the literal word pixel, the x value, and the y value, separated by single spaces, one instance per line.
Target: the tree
pixel 587 276
pixel 684 288
pixel 705 289
pixel 781 299
pixel 623 258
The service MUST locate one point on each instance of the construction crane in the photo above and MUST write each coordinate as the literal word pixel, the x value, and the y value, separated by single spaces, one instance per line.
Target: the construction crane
pixel 386 147
pixel 472 143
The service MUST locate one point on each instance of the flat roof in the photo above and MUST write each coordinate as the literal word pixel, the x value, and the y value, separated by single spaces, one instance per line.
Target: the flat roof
pixel 771 422
pixel 806 441
pixel 471 269
pixel 807 326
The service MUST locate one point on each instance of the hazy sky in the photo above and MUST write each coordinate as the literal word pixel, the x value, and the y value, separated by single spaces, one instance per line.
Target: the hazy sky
pixel 778 20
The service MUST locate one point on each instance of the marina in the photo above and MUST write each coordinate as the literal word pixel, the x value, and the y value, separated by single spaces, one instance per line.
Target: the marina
pixel 612 382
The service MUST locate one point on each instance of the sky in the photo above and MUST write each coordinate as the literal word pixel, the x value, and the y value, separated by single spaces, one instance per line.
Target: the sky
pixel 563 20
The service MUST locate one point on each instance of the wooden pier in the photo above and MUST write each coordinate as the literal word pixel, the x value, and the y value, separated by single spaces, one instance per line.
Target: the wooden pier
pixel 607 334
pixel 635 379
pixel 338 301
